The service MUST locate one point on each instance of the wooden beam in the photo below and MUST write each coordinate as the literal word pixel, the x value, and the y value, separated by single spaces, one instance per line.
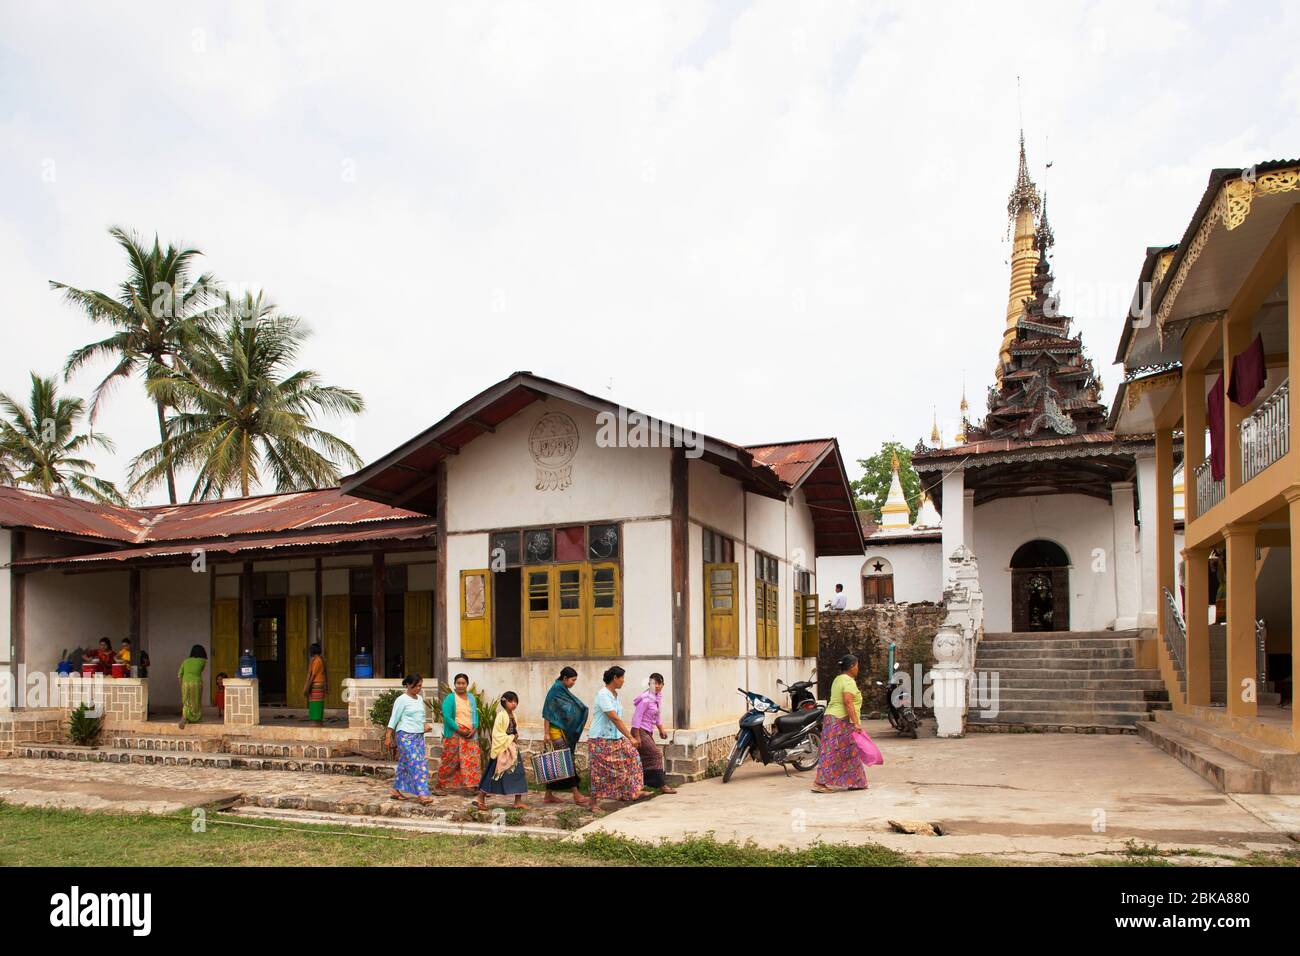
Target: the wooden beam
pixel 440 578
pixel 246 607
pixel 318 606
pixel 679 594
pixel 133 612
pixel 443 446
pixel 18 617
pixel 479 423
pixel 423 484
pixel 377 614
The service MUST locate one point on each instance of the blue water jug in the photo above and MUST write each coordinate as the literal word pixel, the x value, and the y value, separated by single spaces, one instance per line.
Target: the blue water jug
pixel 363 667
pixel 247 665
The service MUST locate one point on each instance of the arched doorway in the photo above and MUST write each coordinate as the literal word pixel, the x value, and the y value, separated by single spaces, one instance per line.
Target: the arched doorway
pixel 877 581
pixel 1040 587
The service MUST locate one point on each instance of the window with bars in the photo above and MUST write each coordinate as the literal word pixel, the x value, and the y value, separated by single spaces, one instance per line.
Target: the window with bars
pixel 767 605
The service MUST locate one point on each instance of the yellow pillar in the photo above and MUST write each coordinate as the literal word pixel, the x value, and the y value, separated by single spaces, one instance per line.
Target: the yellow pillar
pixel 1166 580
pixel 1240 552
pixel 1193 437
pixel 1293 507
pixel 1236 337
pixel 1197 615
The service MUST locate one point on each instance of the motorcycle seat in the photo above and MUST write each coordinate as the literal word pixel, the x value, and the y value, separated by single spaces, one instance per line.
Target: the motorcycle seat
pixel 788 722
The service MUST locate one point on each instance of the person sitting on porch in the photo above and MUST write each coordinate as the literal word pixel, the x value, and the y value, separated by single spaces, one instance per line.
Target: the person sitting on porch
pixel 504 774
pixel 461 764
pixel 144 664
pixel 563 717
pixel 317 686
pixel 191 678
pixel 103 656
pixel 124 652
pixel 409 723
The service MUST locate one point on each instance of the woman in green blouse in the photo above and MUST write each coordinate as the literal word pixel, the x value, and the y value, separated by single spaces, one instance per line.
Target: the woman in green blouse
pixel 191 678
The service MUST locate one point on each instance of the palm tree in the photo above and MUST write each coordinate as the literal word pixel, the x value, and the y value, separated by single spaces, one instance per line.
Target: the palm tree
pixel 159 310
pixel 242 412
pixel 43 449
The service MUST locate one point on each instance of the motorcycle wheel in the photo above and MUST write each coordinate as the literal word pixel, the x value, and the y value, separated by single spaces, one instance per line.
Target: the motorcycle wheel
pixel 805 765
pixel 738 754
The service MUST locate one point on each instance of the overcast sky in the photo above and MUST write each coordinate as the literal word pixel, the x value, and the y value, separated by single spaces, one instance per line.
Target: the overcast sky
pixel 765 220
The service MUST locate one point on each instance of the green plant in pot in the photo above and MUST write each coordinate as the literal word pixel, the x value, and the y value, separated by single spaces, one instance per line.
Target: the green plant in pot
pixel 84 729
pixel 382 709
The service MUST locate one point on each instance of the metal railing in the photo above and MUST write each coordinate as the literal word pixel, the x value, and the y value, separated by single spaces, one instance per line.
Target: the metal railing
pixel 1261 654
pixel 1175 634
pixel 1208 491
pixel 1266 433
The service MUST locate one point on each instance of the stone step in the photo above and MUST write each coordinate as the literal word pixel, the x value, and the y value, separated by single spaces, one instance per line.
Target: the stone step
pixel 1099 692
pixel 1224 771
pixel 1060 684
pixel 359 766
pixel 289 749
pixel 1100 643
pixel 1281 766
pixel 1072 706
pixel 993 726
pixel 1053 650
pixel 119 740
pixel 1044 716
pixel 984 662
pixel 1071 673
pixel 1057 635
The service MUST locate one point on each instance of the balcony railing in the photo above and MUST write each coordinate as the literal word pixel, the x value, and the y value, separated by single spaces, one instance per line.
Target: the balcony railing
pixel 1208 491
pixel 1175 634
pixel 1266 433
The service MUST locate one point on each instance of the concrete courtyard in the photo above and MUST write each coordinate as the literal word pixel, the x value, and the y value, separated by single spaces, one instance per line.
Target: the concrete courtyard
pixel 1018 796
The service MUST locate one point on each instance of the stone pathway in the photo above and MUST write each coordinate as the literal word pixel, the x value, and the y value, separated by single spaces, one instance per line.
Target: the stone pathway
pixel 164 789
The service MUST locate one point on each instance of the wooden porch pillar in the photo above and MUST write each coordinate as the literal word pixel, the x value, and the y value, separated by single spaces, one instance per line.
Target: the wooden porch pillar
pixel 1240 548
pixel 1197 615
pixel 133 613
pixel 318 604
pixel 440 576
pixel 246 607
pixel 377 615
pixel 680 587
pixel 18 620
pixel 1193 437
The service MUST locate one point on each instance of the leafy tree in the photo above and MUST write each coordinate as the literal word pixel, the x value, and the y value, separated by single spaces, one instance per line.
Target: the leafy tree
pixel 41 448
pixel 242 410
pixel 158 312
pixel 872 488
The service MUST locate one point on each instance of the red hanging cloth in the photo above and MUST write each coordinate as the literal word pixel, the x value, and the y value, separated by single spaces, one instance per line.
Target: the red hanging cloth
pixel 1214 421
pixel 1248 373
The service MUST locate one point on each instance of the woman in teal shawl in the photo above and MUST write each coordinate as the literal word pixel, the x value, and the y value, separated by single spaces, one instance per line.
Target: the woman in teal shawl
pixel 563 717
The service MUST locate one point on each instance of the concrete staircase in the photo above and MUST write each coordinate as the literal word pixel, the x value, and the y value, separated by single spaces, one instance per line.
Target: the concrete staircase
pixel 1066 681
pixel 1232 761
pixel 224 752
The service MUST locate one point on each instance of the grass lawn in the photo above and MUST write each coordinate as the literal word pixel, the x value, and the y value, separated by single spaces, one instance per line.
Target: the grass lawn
pixel 46 837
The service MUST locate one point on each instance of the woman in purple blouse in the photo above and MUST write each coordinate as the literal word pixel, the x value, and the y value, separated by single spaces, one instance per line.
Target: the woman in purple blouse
pixel 646 720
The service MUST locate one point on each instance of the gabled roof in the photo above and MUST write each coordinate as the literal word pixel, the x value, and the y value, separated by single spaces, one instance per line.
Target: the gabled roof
pixel 407 477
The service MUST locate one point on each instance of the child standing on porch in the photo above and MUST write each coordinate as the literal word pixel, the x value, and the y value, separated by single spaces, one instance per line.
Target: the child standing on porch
pixel 219 696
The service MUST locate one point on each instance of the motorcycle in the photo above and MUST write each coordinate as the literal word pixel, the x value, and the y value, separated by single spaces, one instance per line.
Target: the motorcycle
pixel 901 716
pixel 795 738
pixel 801 695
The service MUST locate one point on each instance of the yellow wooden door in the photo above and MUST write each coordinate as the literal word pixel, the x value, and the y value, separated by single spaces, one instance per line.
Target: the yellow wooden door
pixel 338 646
pixel 773 620
pixel 475 614
pixel 722 618
pixel 539 611
pixel 225 639
pixel 295 649
pixel 571 608
pixel 419 633
pixel 606 611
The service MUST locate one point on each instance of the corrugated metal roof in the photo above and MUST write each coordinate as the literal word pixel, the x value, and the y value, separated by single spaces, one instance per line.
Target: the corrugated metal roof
pixel 791 460
pixel 205 519
pixel 1002 445
pixel 406 532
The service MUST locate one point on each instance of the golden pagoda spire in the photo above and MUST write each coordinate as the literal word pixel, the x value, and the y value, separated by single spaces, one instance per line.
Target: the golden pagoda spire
pixel 1022 209
pixel 895 513
pixel 935 437
pixel 960 437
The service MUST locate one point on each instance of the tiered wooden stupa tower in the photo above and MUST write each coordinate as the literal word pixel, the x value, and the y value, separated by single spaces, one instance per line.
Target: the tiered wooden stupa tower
pixel 1046 386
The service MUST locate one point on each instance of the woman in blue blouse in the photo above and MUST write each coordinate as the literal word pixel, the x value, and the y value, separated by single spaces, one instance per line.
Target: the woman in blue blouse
pixel 410 722
pixel 615 764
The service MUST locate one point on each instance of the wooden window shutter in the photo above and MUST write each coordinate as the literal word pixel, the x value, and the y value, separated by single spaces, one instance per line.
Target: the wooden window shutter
pixel 773 620
pixel 539 611
pixel 476 613
pixel 338 646
pixel 225 639
pixel 570 609
pixel 606 609
pixel 797 605
pixel 295 649
pixel 721 615
pixel 418 623
pixel 811 625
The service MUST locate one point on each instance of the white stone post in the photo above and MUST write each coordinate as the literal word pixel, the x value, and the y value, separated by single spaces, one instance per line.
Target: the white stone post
pixel 955 643
pixel 1148 598
pixel 1125 564
pixel 954 519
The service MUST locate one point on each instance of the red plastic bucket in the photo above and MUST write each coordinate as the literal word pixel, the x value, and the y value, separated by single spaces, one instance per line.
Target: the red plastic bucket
pixel 89 670
pixel 119 670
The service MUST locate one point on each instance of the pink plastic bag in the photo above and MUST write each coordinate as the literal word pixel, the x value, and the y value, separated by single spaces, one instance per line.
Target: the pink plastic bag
pixel 867 749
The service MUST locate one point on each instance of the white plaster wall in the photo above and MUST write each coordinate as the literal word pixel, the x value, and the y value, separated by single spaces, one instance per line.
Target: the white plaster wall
pixel 918 572
pixel 55 621
pixel 491 483
pixel 714 499
pixel 765 524
pixel 647 586
pixel 174 616
pixel 1078 523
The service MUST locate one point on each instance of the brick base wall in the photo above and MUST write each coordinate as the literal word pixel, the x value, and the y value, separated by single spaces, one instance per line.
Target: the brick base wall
pixel 45 726
pixel 243 698
pixel 361 694
pixel 120 699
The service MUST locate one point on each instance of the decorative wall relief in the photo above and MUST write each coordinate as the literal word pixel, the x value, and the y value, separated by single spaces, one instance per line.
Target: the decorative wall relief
pixel 553 443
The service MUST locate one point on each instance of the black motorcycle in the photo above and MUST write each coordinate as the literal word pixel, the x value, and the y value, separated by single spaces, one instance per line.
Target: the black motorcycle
pixel 801 695
pixel 899 707
pixel 795 738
